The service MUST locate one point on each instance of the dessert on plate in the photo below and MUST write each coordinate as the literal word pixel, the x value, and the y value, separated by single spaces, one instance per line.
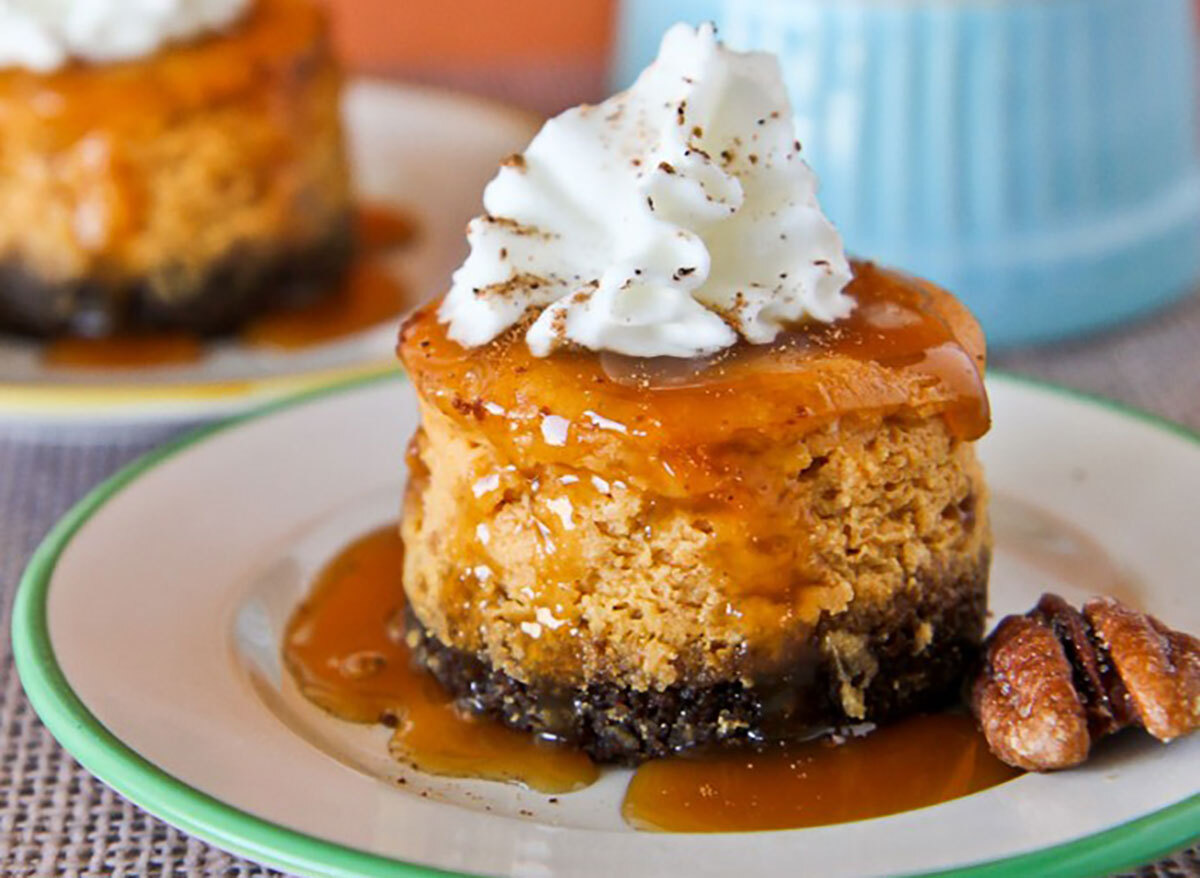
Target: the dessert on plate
pixel 170 165
pixel 687 475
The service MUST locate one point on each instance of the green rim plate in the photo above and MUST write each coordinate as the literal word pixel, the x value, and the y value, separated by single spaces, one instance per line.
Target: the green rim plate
pixel 227 827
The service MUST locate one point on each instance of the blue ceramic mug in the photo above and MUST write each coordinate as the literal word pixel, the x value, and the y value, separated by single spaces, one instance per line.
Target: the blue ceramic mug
pixel 1040 158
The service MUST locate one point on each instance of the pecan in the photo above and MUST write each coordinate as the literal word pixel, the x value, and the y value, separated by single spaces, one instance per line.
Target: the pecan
pixel 1103 695
pixel 1159 667
pixel 1026 702
pixel 1056 680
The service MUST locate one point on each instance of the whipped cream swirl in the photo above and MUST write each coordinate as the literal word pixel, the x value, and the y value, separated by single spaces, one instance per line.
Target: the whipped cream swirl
pixel 667 221
pixel 43 35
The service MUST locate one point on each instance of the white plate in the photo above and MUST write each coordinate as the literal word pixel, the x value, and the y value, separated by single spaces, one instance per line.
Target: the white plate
pixel 426 151
pixel 147 635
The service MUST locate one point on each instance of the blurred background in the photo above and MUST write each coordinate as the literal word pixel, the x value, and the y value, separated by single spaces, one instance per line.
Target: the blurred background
pixel 545 55
pixel 1038 157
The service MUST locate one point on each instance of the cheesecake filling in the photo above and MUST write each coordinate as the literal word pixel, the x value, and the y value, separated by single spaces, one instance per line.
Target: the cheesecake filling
pixel 44 35
pixel 671 220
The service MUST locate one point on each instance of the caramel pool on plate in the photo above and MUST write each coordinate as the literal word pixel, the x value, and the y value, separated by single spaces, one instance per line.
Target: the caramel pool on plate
pixel 915 763
pixel 344 650
pixel 344 653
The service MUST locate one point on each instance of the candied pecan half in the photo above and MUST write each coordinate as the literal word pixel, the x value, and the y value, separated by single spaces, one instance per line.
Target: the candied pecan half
pixel 1159 667
pixel 1101 691
pixel 1025 699
pixel 1055 680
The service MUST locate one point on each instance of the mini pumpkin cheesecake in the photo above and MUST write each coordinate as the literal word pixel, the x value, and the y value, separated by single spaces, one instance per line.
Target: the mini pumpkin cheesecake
pixel 186 185
pixel 685 475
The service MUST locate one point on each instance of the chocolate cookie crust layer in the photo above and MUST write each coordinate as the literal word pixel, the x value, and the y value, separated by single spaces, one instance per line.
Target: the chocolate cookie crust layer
pixel 247 280
pixel 909 656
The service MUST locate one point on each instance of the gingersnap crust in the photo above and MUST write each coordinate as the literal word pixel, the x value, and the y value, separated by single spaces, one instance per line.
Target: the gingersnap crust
pixel 909 656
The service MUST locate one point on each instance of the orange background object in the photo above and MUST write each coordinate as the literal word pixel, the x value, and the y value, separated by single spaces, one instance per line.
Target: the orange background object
pixel 546 54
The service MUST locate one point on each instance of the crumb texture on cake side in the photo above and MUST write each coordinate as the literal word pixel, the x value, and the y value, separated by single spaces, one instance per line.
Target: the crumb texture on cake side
pixel 575 576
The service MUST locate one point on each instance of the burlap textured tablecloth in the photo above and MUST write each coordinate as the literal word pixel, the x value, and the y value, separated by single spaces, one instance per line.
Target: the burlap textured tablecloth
pixel 55 819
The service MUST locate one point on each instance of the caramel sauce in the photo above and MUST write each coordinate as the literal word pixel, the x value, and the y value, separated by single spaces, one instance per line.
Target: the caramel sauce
pixel 123 351
pixel 381 227
pixel 369 295
pixel 908 347
pixel 342 653
pixel 915 763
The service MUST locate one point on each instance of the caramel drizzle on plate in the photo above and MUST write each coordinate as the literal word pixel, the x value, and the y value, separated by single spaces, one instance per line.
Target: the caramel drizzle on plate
pixel 343 648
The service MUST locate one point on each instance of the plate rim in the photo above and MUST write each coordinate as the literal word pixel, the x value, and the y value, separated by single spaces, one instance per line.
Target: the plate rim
pixel 161 794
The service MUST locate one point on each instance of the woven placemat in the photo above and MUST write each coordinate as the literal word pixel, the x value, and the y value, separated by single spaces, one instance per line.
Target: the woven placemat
pixel 57 820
